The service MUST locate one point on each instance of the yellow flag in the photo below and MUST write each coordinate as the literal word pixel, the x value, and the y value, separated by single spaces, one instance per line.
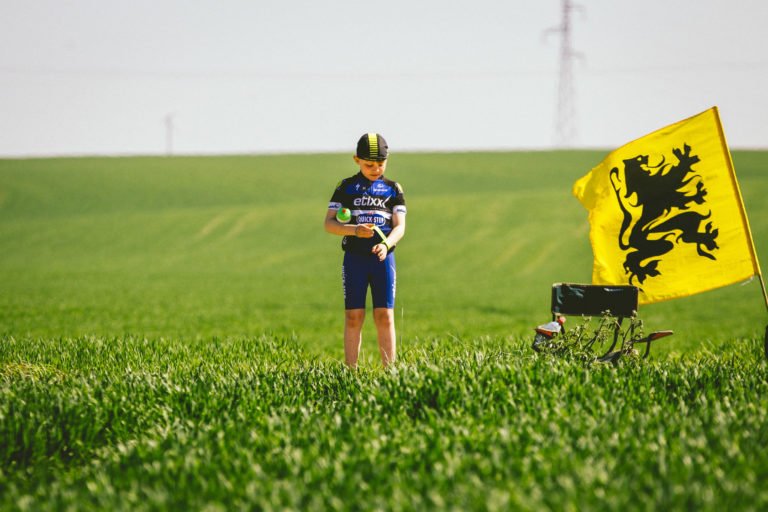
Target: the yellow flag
pixel 666 213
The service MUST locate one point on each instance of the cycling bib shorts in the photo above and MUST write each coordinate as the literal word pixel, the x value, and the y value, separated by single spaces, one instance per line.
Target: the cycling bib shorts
pixel 362 270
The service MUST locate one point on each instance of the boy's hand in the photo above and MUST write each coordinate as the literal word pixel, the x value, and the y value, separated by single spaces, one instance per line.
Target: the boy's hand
pixel 380 250
pixel 364 230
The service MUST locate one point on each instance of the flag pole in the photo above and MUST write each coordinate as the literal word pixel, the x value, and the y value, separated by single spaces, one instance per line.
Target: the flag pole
pixel 765 295
pixel 765 298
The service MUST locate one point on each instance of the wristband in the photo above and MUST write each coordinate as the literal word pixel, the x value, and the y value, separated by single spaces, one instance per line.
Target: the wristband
pixel 383 238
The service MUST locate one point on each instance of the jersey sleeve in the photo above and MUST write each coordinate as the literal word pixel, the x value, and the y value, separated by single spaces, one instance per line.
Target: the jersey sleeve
pixel 338 197
pixel 398 203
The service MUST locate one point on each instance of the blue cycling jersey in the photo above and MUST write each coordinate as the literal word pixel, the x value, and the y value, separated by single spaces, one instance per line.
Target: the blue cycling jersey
pixel 371 202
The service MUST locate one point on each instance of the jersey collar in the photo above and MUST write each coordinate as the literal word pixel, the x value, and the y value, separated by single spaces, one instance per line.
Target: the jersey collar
pixel 364 178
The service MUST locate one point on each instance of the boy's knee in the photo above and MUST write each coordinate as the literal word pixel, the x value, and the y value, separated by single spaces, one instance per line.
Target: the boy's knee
pixel 383 316
pixel 354 317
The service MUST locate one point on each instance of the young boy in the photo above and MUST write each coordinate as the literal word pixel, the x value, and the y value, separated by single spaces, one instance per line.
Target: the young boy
pixel 377 225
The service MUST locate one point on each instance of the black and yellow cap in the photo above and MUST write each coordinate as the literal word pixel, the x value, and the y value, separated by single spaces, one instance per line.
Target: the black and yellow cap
pixel 372 146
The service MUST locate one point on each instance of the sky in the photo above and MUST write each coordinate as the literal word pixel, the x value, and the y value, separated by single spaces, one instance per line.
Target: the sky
pixel 117 77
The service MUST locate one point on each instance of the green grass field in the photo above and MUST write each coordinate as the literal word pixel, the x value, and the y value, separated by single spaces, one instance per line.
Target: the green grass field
pixel 171 339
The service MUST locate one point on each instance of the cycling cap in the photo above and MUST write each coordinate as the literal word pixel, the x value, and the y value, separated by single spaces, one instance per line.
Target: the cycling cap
pixel 372 146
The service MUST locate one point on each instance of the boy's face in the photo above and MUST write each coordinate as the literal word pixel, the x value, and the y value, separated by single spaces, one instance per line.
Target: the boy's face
pixel 371 169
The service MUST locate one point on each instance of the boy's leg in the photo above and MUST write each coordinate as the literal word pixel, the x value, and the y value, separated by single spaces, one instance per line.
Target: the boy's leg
pixel 353 335
pixel 383 287
pixel 385 328
pixel 354 278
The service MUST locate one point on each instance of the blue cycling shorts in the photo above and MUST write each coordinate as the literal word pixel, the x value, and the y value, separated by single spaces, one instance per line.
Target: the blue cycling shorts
pixel 361 270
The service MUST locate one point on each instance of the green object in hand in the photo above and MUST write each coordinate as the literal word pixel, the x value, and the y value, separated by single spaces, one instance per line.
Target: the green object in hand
pixel 381 234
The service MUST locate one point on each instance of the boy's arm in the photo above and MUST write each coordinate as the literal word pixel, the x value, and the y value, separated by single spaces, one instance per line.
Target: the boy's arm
pixel 398 230
pixel 337 228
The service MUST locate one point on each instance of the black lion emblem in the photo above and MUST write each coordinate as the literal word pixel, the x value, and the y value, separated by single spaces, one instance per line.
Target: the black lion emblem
pixel 663 195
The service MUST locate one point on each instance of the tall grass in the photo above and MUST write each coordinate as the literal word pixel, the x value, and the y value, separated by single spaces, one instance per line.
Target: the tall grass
pixel 138 424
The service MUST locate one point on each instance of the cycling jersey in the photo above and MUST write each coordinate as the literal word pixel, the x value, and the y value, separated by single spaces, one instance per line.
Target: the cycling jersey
pixel 371 202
